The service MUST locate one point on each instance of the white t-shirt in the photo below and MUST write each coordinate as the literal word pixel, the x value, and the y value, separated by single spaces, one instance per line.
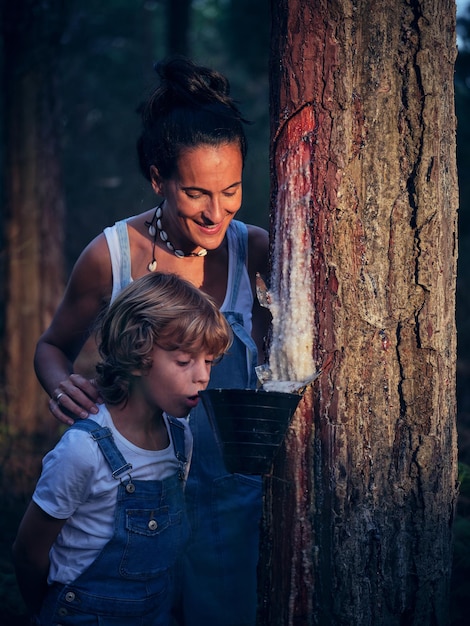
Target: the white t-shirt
pixel 76 484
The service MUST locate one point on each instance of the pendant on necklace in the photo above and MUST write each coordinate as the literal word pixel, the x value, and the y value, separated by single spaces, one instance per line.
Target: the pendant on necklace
pixel 154 227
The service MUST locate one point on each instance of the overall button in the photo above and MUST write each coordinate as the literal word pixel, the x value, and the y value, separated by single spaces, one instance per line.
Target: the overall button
pixel 69 596
pixel 130 488
pixel 153 524
pixel 62 612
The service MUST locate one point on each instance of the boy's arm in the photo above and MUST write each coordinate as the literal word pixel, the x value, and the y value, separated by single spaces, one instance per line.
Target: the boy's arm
pixel 36 534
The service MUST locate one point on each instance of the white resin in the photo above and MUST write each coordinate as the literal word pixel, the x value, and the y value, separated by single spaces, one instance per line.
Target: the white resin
pixel 291 301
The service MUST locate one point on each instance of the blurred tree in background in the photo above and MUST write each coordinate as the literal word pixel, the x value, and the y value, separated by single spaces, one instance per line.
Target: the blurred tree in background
pixel 33 217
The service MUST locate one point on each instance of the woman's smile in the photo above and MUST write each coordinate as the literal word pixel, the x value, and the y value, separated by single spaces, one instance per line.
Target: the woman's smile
pixel 211 229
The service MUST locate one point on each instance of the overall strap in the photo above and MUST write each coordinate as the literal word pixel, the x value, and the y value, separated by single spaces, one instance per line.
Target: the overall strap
pixel 240 233
pixel 177 435
pixel 124 246
pixel 104 438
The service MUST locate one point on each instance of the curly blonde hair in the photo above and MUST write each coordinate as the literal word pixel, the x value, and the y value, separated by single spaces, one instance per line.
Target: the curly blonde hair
pixel 157 309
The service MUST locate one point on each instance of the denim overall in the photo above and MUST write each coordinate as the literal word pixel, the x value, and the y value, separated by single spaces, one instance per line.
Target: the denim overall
pixel 217 583
pixel 130 582
pixel 220 564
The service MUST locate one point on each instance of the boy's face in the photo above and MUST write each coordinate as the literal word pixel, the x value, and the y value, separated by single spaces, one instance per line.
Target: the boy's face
pixel 175 379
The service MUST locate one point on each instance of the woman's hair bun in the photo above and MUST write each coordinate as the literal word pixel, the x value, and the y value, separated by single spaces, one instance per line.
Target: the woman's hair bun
pixel 188 82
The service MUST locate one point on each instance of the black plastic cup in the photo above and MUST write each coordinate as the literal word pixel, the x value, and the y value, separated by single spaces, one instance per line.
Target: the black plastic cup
pixel 250 425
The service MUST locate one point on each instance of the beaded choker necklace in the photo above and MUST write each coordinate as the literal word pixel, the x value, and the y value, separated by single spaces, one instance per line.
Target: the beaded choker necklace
pixel 155 227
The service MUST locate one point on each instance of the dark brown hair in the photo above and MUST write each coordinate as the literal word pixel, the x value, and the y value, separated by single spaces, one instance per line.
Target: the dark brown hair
pixel 190 107
pixel 160 309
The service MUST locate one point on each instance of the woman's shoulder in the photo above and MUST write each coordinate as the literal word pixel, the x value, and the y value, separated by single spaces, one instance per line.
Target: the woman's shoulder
pixel 98 248
pixel 95 253
pixel 93 268
pixel 92 271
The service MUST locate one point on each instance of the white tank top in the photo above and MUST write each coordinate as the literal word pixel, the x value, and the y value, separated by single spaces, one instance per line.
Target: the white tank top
pixel 238 297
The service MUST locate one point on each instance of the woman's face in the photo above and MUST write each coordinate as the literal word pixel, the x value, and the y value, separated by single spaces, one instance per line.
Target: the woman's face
pixel 202 197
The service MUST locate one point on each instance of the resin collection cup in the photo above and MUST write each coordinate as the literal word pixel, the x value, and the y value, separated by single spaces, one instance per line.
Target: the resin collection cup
pixel 250 425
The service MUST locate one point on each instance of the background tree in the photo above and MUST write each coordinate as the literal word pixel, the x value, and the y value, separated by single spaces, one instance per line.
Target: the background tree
pixel 365 196
pixel 33 221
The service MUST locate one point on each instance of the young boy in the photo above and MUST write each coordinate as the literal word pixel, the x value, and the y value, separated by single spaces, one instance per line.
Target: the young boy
pixel 107 521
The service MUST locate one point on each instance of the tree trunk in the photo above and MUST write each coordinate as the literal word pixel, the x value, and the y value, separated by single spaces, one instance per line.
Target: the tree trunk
pixel 358 512
pixel 33 223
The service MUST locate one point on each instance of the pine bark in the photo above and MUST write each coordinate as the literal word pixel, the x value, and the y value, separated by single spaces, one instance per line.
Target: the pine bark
pixel 359 509
pixel 33 221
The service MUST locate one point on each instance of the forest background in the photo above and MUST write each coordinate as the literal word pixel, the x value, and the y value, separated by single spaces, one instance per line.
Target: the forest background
pixel 106 70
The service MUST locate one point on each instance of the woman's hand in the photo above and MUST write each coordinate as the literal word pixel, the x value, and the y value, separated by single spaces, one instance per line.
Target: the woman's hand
pixel 75 397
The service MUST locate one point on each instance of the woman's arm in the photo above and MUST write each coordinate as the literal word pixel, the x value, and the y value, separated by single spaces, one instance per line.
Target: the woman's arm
pixel 36 534
pixel 88 290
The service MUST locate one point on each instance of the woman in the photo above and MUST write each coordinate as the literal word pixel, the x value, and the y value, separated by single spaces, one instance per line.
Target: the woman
pixel 192 150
